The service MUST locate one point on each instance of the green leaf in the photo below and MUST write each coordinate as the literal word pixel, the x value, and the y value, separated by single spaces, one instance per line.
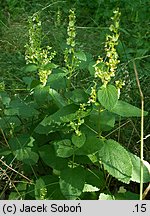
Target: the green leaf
pixel 47 187
pixel 103 196
pixel 9 122
pixel 136 169
pixel 55 77
pixel 48 155
pixel 40 189
pixel 95 178
pixel 63 148
pixel 41 94
pixel 58 99
pixel 107 120
pixel 4 151
pixel 78 141
pixel 49 66
pixel 30 68
pixel 4 98
pixel 23 149
pixel 125 109
pixel 126 196
pixel 108 96
pixel 20 108
pixel 82 159
pixel 91 146
pixel 78 96
pixel 65 114
pixel 80 55
pixel 91 68
pixel 57 80
pixel 55 121
pixel 21 192
pixel 103 121
pixel 72 182
pixel 90 188
pixel 116 160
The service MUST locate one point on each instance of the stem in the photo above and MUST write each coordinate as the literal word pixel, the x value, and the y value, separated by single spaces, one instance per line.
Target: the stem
pixel 146 191
pixel 99 129
pixel 71 69
pixel 142 131
pixel 15 171
pixel 4 138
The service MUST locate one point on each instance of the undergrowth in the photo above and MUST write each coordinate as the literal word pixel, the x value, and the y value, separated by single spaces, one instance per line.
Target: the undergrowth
pixel 69 116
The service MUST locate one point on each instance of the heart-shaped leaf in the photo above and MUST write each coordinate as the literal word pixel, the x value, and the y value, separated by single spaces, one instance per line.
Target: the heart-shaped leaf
pixel 108 96
pixel 78 141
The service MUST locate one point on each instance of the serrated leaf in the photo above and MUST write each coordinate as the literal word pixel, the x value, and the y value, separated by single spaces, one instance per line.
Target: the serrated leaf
pixel 72 182
pixel 108 96
pixel 103 196
pixel 136 169
pixel 48 155
pixel 125 109
pixel 63 148
pixel 80 55
pixel 78 141
pixel 116 160
pixel 90 188
pixel 22 148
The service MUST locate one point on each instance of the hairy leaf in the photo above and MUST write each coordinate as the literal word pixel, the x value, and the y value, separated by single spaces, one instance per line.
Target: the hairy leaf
pixel 90 188
pixel 108 96
pixel 136 169
pixel 116 160
pixel 103 196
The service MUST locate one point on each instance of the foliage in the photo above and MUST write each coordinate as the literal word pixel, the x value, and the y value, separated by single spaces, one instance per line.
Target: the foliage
pixel 57 136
